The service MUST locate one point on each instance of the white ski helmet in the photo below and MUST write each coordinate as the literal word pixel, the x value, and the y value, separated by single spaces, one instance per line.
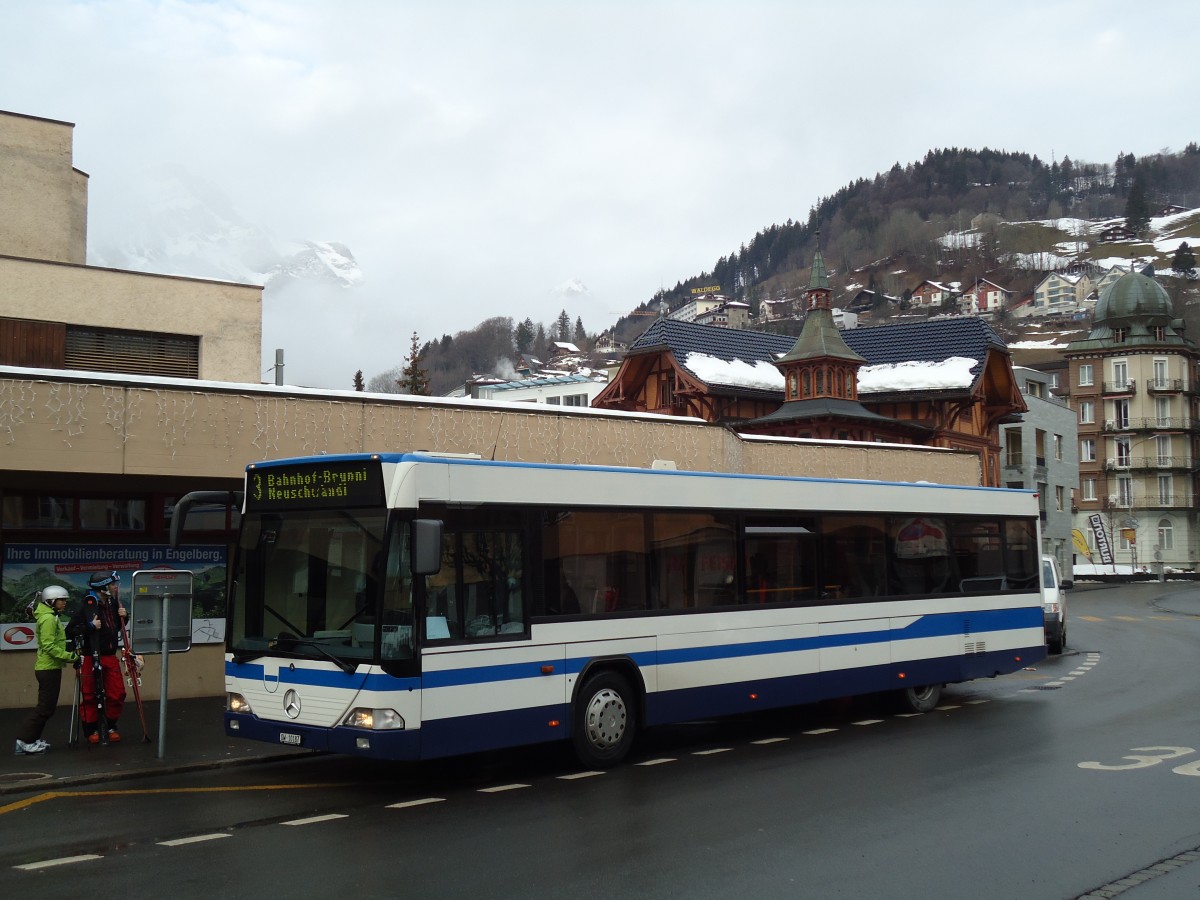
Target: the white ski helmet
pixel 53 592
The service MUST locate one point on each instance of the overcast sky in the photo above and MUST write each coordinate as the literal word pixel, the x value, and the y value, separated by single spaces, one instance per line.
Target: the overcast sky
pixel 478 157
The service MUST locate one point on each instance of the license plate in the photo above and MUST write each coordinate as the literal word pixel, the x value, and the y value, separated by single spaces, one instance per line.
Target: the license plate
pixel 285 738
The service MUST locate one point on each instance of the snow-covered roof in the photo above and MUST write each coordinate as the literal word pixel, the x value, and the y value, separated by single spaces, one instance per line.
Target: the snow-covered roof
pixel 916 375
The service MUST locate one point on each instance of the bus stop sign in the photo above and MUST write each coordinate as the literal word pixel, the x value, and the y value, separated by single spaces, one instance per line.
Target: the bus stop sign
pixel 155 591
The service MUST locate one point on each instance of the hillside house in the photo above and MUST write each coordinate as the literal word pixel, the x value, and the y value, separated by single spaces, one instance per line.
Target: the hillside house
pixel 1110 234
pixel 1058 293
pixel 733 314
pixel 930 294
pixel 984 298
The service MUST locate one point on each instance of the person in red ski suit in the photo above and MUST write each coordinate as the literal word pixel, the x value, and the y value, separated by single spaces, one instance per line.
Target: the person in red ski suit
pixel 98 625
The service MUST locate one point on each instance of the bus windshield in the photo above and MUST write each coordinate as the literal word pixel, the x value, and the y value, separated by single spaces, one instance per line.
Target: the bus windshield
pixel 308 583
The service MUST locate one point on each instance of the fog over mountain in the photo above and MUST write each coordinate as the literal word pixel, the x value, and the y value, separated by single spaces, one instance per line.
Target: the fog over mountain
pixel 176 223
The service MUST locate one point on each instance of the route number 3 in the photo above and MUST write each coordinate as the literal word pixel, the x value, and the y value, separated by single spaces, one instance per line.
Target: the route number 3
pixel 1145 757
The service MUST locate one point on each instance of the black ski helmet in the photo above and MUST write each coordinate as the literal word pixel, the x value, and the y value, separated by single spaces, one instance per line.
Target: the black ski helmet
pixel 100 580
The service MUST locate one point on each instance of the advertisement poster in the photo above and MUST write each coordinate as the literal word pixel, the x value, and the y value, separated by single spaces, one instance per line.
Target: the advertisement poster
pixel 27 568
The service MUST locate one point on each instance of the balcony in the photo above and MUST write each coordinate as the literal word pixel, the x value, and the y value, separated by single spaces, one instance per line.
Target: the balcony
pixel 1125 388
pixel 1164 385
pixel 1131 463
pixel 1154 423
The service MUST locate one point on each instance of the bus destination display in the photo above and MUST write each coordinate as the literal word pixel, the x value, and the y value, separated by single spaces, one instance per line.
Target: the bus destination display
pixel 315 485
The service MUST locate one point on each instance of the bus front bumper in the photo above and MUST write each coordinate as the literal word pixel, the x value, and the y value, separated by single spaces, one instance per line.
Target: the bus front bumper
pixel 396 744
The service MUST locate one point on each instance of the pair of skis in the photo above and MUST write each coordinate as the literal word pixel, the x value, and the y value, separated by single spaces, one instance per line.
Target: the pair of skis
pixel 133 676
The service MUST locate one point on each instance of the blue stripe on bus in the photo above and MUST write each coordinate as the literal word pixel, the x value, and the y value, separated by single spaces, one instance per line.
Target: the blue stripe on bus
pixel 939 625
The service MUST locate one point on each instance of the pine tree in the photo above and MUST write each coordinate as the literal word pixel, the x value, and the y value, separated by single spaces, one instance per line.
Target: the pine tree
pixel 523 337
pixel 564 326
pixel 413 377
pixel 359 384
pixel 580 338
pixel 1184 262
pixel 1137 209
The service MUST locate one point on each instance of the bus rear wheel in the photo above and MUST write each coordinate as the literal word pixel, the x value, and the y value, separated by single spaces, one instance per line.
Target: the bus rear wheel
pixel 919 699
pixel 604 721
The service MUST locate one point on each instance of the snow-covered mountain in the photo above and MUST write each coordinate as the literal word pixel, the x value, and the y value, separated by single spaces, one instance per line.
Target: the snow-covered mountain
pixel 175 223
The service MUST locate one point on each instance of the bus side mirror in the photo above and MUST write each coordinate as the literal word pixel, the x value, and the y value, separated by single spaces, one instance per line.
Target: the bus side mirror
pixel 426 546
pixel 1067 584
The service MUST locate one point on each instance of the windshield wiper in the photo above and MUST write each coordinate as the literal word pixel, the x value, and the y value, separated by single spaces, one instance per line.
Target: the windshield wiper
pixel 348 668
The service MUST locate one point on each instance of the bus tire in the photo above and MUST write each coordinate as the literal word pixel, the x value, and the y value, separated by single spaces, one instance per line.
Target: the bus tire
pixel 921 699
pixel 605 721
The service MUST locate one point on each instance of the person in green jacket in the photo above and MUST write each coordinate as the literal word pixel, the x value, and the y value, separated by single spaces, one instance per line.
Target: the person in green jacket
pixel 52 657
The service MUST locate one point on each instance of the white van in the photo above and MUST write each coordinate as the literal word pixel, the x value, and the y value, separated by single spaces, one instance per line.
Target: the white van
pixel 1054 604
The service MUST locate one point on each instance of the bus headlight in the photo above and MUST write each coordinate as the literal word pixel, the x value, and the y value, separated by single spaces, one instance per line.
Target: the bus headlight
pixel 375 719
pixel 237 703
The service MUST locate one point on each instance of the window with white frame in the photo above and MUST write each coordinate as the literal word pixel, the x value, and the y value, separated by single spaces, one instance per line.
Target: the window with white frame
pixel 1124 491
pixel 1089 489
pixel 1085 375
pixel 1162 412
pixel 1120 373
pixel 1060 496
pixel 1164 489
pixel 1162 444
pixel 1121 447
pixel 1166 535
pixel 1121 413
pixel 1160 374
pixel 1087 450
pixel 1087 412
pixel 1058 445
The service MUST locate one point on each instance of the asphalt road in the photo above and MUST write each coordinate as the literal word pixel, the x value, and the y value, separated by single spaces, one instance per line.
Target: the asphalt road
pixel 1082 774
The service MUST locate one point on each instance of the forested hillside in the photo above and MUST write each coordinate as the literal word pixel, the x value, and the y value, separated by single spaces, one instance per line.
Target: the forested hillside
pixel 887 233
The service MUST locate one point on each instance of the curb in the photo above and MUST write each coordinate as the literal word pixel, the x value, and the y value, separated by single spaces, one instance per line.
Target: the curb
pixel 51 782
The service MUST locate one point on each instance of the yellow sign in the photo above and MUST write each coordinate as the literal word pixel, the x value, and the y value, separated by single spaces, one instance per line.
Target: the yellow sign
pixel 1130 534
pixel 711 289
pixel 1080 543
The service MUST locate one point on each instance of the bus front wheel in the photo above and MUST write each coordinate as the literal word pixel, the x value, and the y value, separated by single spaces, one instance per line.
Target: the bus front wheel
pixel 920 699
pixel 604 721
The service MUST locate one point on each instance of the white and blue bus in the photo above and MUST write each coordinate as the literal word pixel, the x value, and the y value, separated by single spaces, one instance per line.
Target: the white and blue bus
pixel 410 606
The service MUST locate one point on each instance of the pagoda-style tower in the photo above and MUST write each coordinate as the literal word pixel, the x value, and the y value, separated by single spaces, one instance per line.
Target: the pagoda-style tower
pixel 820 381
pixel 820 365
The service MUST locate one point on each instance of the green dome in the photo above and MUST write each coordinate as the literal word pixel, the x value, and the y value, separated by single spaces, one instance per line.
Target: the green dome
pixel 1133 296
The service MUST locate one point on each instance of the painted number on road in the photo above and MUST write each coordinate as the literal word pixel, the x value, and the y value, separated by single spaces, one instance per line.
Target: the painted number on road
pixel 1145 757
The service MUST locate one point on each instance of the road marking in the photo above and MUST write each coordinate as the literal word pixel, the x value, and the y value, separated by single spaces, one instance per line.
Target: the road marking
pixel 313 820
pixel 976 702
pixel 945 708
pixel 1090 618
pixel 655 762
pixel 1128 618
pixel 712 752
pixel 64 861
pixel 908 715
pixel 867 722
pixel 179 842
pixel 821 731
pixel 1055 683
pixel 769 741
pixel 405 804
pixel 144 792
pixel 501 788
pixel 576 775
